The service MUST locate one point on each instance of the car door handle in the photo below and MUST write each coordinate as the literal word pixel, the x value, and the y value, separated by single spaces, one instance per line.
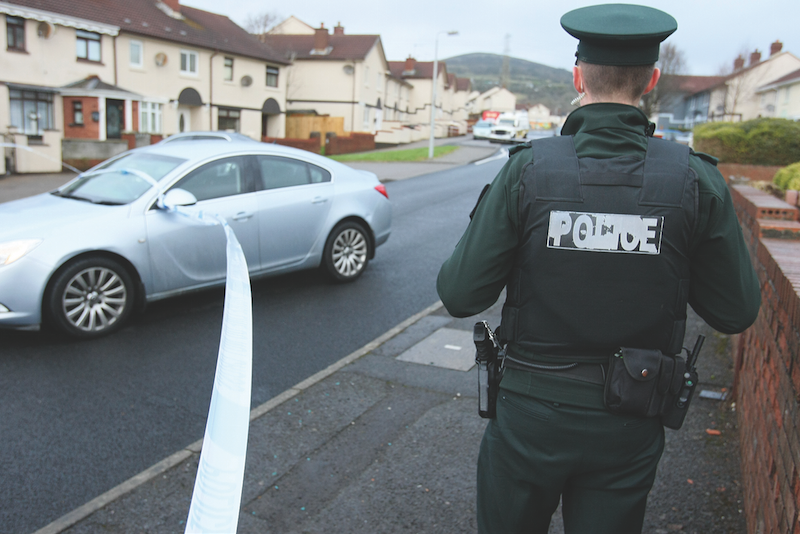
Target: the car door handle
pixel 242 216
pixel 319 200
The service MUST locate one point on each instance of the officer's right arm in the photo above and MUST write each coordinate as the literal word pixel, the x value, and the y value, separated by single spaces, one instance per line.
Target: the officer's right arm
pixel 473 277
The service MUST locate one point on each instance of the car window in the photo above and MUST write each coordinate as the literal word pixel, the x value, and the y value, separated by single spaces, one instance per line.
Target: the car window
pixel 221 178
pixel 318 174
pixel 276 172
pixel 121 187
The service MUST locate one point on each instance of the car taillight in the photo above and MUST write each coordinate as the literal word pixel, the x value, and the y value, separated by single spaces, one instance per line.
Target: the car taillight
pixel 382 190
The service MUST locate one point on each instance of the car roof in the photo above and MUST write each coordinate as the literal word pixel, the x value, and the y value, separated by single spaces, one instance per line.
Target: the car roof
pixel 207 136
pixel 200 150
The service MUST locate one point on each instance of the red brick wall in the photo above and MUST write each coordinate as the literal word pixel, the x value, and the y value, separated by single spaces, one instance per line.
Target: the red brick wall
pixel 762 173
pixel 89 129
pixel 131 139
pixel 356 142
pixel 135 116
pixel 311 145
pixel 767 367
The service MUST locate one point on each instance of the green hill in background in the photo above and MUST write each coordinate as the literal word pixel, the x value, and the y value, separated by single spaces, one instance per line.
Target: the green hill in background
pixel 531 82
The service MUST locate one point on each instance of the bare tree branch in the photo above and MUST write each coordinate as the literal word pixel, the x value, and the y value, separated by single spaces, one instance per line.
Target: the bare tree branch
pixel 672 63
pixel 259 23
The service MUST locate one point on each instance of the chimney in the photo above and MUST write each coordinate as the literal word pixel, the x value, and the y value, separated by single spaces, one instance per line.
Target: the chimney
pixel 755 57
pixel 174 5
pixel 411 64
pixel 338 29
pixel 738 63
pixel 321 38
pixel 775 47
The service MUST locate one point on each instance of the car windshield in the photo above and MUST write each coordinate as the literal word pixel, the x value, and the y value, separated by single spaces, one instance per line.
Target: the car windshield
pixel 120 187
pixel 484 124
pixel 507 122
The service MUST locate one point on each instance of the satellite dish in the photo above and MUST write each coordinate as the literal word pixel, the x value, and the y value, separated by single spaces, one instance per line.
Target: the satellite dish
pixel 45 29
pixel 247 81
pixel 348 69
pixel 161 59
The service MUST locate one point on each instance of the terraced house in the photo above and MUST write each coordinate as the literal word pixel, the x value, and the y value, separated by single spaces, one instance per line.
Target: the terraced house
pixel 82 83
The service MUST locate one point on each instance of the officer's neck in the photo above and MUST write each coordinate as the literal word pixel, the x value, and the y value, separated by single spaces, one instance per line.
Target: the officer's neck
pixel 608 99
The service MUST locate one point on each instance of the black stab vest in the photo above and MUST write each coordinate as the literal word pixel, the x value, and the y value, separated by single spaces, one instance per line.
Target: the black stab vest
pixel 603 259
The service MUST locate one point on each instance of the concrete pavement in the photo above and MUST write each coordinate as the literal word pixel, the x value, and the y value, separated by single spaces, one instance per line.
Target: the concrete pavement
pixel 386 441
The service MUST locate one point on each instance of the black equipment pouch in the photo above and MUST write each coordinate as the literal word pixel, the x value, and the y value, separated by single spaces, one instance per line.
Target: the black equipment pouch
pixel 488 356
pixel 647 383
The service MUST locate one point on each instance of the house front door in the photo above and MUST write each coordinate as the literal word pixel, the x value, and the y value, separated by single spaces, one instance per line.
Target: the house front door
pixel 115 118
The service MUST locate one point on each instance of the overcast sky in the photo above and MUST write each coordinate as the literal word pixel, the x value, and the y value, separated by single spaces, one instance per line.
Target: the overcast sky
pixel 711 33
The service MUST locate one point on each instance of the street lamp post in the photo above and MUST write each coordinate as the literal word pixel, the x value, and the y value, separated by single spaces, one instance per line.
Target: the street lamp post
pixel 433 91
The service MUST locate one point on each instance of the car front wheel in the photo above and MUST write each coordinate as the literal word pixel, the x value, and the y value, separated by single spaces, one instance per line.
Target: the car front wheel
pixel 346 252
pixel 92 297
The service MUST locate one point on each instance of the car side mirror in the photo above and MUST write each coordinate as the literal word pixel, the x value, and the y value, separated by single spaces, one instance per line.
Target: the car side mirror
pixel 176 197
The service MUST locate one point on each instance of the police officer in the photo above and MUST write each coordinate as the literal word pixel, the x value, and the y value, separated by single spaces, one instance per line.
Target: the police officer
pixel 601 238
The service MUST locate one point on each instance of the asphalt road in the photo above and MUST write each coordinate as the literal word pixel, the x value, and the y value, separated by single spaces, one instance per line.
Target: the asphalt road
pixel 78 418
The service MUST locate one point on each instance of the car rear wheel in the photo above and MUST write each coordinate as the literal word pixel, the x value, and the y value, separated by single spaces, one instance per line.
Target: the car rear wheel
pixel 92 297
pixel 347 252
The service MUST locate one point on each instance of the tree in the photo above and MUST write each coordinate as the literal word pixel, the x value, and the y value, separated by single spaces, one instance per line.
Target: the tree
pixel 672 63
pixel 259 23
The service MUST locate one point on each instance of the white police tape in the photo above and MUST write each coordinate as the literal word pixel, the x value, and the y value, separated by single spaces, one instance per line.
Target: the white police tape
pixel 217 491
pixel 218 486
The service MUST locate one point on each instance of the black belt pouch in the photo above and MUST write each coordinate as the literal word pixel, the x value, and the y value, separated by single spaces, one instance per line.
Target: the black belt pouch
pixel 640 382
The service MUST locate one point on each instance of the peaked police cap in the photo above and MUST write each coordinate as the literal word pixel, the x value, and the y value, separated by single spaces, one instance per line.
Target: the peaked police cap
pixel 618 34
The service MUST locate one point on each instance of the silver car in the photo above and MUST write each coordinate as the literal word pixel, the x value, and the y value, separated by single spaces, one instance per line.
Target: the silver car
pixel 84 257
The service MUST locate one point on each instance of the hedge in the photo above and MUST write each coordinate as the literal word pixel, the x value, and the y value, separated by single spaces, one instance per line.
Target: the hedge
pixel 788 177
pixel 755 142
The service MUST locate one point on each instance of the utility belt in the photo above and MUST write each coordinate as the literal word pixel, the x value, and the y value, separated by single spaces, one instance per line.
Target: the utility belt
pixel 640 382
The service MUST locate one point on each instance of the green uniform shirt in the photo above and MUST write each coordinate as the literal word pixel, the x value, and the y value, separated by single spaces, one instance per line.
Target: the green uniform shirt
pixel 724 287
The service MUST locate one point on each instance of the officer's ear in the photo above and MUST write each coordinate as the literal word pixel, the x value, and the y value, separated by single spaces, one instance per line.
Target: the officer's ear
pixel 577 79
pixel 653 80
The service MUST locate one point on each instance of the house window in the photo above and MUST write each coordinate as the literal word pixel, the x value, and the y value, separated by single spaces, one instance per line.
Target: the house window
pixel 31 111
pixel 366 116
pixel 227 69
pixel 137 53
pixel 87 45
pixel 272 77
pixel 188 62
pixel 15 33
pixel 786 94
pixel 150 117
pixel 77 113
pixel 229 119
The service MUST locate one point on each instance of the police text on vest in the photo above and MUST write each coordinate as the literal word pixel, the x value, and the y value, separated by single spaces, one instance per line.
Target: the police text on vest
pixel 605 232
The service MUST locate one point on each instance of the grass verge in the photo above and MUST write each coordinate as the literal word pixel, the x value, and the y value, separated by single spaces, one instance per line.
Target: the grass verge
pixel 411 154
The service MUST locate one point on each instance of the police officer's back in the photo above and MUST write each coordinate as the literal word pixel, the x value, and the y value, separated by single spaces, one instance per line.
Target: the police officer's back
pixel 601 237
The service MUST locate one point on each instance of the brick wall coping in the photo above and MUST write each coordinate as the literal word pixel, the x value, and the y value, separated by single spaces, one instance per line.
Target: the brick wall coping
pixel 762 205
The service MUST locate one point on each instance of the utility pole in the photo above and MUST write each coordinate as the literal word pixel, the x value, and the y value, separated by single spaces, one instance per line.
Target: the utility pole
pixel 505 75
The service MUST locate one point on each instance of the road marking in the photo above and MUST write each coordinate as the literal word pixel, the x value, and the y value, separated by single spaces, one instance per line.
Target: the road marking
pixel 79 514
pixel 501 154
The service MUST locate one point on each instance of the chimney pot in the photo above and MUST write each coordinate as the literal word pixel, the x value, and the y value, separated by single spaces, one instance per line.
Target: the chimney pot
pixel 321 38
pixel 775 47
pixel 338 29
pixel 411 64
pixel 738 63
pixel 174 5
pixel 755 57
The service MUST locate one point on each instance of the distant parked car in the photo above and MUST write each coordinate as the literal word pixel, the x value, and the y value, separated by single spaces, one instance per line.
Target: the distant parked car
pixel 482 129
pixel 83 257
pixel 208 136
pixel 684 138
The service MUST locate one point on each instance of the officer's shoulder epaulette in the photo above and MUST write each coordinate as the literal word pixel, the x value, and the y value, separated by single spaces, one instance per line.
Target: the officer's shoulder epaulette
pixel 514 149
pixel 705 157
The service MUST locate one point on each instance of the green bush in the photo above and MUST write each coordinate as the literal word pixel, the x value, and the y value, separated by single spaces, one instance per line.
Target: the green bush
pixel 756 142
pixel 788 177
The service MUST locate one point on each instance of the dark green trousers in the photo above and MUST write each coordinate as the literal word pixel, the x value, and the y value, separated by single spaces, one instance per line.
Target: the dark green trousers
pixel 534 453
